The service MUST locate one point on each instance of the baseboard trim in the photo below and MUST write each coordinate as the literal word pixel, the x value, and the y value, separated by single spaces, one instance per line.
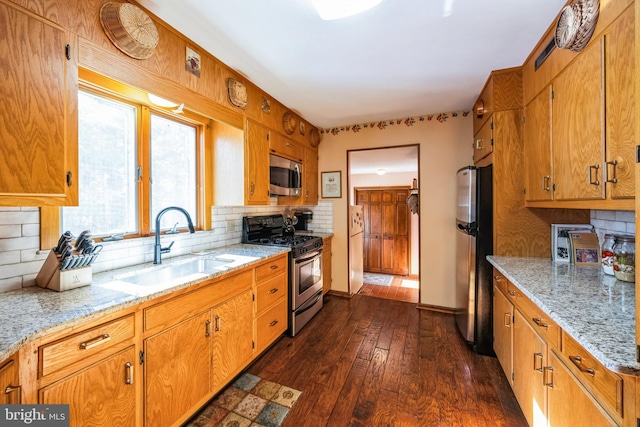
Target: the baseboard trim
pixel 339 294
pixel 436 308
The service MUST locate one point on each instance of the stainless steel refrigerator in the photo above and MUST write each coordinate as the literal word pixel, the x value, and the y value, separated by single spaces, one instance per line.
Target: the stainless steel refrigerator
pixel 474 241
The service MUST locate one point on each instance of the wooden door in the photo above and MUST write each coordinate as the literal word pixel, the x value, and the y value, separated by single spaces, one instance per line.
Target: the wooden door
pixel 578 132
pixel 537 148
pixel 568 402
pixel 621 116
pixel 256 164
pixel 101 395
pixel 232 337
pixel 177 370
pixel 386 229
pixel 502 331
pixel 39 112
pixel 529 360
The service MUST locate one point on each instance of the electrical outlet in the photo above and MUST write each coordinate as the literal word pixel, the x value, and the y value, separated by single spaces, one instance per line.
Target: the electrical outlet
pixel 231 226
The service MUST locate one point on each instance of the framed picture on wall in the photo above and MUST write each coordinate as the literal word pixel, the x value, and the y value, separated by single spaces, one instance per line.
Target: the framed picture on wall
pixel 331 185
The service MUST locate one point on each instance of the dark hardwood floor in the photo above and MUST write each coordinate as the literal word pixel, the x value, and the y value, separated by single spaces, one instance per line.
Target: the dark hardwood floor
pixel 369 361
pixel 403 288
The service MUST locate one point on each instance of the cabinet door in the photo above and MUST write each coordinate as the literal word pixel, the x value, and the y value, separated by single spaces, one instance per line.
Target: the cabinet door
pixel 621 116
pixel 100 395
pixel 483 141
pixel 9 382
pixel 232 338
pixel 537 147
pixel 502 331
pixel 326 265
pixel 310 183
pixel 568 403
pixel 578 128
pixel 177 370
pixel 256 186
pixel 529 358
pixel 39 112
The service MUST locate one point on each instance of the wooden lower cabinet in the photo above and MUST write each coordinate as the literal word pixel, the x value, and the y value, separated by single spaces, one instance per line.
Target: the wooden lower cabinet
pixel 10 390
pixel 326 265
pixel 102 394
pixel 529 360
pixel 177 370
pixel 503 332
pixel 232 338
pixel 568 403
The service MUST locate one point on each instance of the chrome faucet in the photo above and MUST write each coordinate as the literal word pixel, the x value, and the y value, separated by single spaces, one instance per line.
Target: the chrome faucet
pixel 158 249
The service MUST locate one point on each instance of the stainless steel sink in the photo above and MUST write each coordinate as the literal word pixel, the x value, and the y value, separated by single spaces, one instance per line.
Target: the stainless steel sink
pixel 185 271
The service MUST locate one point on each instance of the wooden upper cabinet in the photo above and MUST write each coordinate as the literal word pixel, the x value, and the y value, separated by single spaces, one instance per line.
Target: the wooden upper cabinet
pixel 38 112
pixel 285 147
pixel 502 91
pixel 310 181
pixel 578 128
pixel 256 164
pixel 537 148
pixel 620 107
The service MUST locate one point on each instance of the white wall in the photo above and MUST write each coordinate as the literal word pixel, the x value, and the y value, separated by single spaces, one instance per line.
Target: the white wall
pixel 444 148
pixel 392 179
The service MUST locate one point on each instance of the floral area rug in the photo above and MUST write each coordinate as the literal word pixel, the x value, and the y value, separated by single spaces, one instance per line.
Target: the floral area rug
pixel 249 402
pixel 377 279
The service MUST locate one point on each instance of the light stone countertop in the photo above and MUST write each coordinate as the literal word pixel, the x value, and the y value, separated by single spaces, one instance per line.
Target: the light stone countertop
pixel 595 309
pixel 30 313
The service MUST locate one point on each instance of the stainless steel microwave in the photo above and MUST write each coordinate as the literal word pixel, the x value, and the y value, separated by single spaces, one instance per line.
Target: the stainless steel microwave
pixel 285 176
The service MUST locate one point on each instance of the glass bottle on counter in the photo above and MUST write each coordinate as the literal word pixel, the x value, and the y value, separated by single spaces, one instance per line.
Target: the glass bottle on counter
pixel 607 253
pixel 624 261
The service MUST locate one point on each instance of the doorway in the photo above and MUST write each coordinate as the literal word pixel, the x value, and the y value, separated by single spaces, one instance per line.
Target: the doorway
pixel 385 182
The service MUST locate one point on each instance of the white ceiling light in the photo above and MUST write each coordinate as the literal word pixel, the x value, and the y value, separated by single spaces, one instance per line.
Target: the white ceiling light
pixel 165 103
pixel 381 171
pixel 336 9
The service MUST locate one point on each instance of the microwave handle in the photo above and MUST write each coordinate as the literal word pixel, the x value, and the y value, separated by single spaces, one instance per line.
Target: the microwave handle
pixel 297 169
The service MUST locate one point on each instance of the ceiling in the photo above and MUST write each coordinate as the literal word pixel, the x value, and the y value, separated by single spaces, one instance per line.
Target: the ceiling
pixel 401 58
pixel 393 160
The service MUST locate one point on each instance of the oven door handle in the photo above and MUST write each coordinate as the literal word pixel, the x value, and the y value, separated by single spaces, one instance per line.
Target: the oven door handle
pixel 315 255
pixel 316 299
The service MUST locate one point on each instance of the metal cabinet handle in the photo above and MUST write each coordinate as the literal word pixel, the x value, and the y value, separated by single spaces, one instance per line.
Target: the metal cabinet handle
pixel 546 180
pixel 11 388
pixel 613 163
pixel 289 144
pixel 479 144
pixel 273 291
pixel 218 323
pixel 497 278
pixel 547 372
pixel 538 321
pixel 537 357
pixel 273 323
pixel 94 342
pixel 274 267
pixel 128 367
pixel 577 360
pixel 591 180
pixel 252 188
pixel 513 293
pixel 207 328
pixel 507 320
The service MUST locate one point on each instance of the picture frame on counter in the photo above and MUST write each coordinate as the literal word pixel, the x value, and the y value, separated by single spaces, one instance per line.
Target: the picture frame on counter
pixel 331 185
pixel 561 250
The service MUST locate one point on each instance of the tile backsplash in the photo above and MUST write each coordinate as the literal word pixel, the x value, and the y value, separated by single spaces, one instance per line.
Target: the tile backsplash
pixel 21 257
pixel 615 222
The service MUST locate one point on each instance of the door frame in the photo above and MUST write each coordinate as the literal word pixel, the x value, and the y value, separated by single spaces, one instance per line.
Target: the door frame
pixel 351 196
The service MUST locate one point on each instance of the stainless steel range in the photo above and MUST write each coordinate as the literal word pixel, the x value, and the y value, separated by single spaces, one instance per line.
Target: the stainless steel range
pixel 305 264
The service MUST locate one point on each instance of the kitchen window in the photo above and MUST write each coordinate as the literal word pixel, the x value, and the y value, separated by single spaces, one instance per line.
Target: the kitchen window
pixel 134 160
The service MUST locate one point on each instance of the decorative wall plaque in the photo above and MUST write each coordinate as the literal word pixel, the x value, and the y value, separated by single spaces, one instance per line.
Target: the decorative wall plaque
pixel 237 93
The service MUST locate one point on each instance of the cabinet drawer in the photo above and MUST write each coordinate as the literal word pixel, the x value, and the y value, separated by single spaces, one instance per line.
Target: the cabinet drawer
pixel 541 323
pixel 500 281
pixel 180 308
pixel 285 147
pixel 271 324
pixel 79 346
pixel 270 269
pixel 270 291
pixel 598 379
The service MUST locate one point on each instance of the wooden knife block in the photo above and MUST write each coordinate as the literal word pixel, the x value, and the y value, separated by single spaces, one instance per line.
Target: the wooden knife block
pixel 50 276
